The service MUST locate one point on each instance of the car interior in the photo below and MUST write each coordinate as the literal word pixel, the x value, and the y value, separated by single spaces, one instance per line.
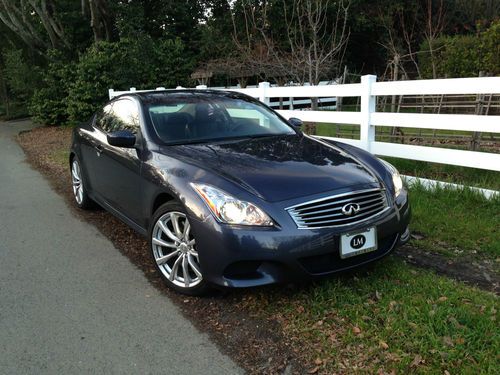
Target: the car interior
pixel 202 120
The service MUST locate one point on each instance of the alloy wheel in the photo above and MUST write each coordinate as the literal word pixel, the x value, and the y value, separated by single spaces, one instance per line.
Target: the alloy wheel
pixel 76 178
pixel 174 250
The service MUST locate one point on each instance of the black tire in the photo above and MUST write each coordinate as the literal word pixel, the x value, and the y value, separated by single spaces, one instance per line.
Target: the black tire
pixel 181 254
pixel 82 199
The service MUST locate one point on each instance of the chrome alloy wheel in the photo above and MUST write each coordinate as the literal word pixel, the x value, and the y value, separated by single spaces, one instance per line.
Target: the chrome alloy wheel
pixel 174 250
pixel 76 178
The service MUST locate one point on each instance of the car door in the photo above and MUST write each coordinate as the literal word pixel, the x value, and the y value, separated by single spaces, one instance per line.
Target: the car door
pixel 118 169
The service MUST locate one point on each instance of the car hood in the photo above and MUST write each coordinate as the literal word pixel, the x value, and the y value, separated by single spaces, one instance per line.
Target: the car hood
pixel 282 167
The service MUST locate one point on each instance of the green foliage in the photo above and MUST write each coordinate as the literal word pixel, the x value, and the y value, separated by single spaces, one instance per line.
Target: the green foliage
pixel 490 45
pixel 462 55
pixel 139 62
pixel 21 78
pixel 48 104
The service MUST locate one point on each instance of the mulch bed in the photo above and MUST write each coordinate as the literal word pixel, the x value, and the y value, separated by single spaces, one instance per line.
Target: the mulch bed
pixel 258 345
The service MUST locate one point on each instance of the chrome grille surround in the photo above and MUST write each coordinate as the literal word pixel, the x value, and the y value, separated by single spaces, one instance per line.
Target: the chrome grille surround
pixel 327 212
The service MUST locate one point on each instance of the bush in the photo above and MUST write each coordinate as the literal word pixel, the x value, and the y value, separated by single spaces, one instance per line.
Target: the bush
pixel 48 105
pixel 463 55
pixel 20 77
pixel 138 62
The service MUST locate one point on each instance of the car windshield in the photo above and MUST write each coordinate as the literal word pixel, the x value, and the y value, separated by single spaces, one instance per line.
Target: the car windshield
pixel 203 118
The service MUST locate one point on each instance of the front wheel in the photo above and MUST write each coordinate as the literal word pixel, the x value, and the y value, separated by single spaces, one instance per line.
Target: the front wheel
pixel 173 248
pixel 79 189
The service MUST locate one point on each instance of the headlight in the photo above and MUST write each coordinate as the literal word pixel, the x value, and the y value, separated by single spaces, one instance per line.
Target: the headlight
pixel 230 210
pixel 396 177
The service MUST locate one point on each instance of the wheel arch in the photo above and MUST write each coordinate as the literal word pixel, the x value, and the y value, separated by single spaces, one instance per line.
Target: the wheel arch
pixel 160 199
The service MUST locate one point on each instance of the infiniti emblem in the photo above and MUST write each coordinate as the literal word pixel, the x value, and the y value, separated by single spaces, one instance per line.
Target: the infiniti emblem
pixel 351 209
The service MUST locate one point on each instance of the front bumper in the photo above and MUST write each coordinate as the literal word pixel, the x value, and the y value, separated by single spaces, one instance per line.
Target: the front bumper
pixel 242 257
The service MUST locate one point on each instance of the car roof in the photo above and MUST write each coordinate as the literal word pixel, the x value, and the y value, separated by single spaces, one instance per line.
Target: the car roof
pixel 155 96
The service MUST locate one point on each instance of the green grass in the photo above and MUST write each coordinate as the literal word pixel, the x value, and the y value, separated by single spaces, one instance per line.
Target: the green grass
pixel 449 173
pixel 452 221
pixel 393 317
pixel 60 157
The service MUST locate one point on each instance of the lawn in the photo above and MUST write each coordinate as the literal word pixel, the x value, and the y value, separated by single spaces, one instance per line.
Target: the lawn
pixel 456 222
pixel 392 317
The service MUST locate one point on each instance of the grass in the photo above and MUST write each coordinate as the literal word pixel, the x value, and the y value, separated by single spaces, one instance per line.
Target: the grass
pixel 60 157
pixel 449 173
pixel 391 318
pixel 453 221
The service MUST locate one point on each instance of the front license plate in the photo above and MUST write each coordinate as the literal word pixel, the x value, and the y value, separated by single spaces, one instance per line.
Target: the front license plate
pixel 358 242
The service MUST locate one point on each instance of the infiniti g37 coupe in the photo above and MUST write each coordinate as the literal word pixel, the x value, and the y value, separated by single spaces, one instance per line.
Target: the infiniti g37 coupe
pixel 231 194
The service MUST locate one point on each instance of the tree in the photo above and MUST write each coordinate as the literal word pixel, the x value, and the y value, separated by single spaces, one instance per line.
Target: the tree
pixel 101 19
pixel 18 17
pixel 315 37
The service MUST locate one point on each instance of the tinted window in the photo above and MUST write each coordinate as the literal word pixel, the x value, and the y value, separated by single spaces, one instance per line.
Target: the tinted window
pixel 119 115
pixel 198 119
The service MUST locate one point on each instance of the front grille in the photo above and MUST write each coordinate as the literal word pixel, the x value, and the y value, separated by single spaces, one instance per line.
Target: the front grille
pixel 327 212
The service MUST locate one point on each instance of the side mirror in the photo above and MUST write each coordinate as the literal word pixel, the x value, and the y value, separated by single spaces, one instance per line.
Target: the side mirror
pixel 121 138
pixel 295 122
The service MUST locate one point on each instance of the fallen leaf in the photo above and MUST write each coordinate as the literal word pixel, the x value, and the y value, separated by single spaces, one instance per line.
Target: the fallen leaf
pixel 460 340
pixel 300 309
pixel 313 370
pixel 446 372
pixel 417 236
pixel 447 340
pixel 383 345
pixel 356 330
pixel 442 299
pixel 318 361
pixel 416 361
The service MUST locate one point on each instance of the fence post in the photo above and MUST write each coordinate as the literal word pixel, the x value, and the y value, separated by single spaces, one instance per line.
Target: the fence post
pixel 368 101
pixel 201 87
pixel 263 86
pixel 111 93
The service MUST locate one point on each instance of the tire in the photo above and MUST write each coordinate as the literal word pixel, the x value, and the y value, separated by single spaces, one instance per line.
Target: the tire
pixel 82 199
pixel 172 246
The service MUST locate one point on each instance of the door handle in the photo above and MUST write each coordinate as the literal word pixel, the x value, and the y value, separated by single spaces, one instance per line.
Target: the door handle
pixel 98 149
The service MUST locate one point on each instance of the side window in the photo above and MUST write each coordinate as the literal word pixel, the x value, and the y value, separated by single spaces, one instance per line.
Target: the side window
pixel 126 116
pixel 104 118
pixel 120 115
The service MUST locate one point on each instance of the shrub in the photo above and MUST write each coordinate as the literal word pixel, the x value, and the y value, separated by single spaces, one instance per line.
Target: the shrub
pixel 48 105
pixel 131 62
pixel 16 71
pixel 463 55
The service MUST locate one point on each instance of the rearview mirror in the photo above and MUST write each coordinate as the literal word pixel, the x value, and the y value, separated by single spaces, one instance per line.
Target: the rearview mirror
pixel 121 138
pixel 297 122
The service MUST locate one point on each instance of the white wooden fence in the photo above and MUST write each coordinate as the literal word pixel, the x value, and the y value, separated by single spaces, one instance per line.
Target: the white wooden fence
pixel 368 119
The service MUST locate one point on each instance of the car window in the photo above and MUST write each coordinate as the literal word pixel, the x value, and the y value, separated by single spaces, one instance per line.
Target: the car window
pixel 199 119
pixel 119 115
